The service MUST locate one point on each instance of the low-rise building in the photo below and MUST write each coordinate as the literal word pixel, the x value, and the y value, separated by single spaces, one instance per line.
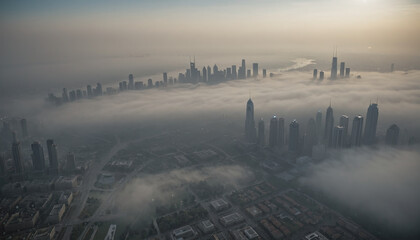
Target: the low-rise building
pixel 231 219
pixel 56 213
pixel 24 219
pixel 219 204
pixel 206 226
pixel 184 232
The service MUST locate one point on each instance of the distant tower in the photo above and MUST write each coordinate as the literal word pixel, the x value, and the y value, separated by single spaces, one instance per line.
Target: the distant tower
pixel 70 163
pixel 24 127
pixel 149 83
pixel 131 81
pixel 52 154
pixel 329 123
pixel 243 65
pixel 338 137
pixel 64 95
pixel 310 137
pixel 208 73
pixel 234 73
pixel 342 69
pixel 392 135
pixel 315 74
pixel 318 122
pixel 89 91
pixel 204 74
pixel 347 72
pixel 17 155
pixel 38 159
pixel 294 136
pixel 250 131
pixel 248 73
pixel 334 67
pixel 321 75
pixel 272 138
pixel 281 133
pixel 356 131
pixel 264 73
pixel 369 136
pixel 261 133
pixel 99 89
pixel 344 122
pixel 255 69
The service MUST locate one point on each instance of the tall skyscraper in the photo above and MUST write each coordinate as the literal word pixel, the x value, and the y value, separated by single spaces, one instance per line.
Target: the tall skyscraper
pixel 356 131
pixel 321 75
pixel 250 131
pixel 24 127
pixel 334 67
pixel 255 69
pixel 204 74
pixel 392 135
pixel 342 69
pixel 338 137
pixel 329 123
pixel 234 73
pixel 310 137
pixel 319 125
pixel 344 122
pixel 38 159
pixel 294 136
pixel 281 133
pixel 208 73
pixel 243 66
pixel 347 72
pixel 315 74
pixel 64 95
pixel 248 73
pixel 131 81
pixel 99 89
pixel 272 137
pixel 261 133
pixel 17 155
pixel 89 91
pixel 52 154
pixel 369 136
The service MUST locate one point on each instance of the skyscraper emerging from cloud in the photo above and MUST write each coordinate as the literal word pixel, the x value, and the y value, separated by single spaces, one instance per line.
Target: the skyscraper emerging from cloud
pixel 272 137
pixel 38 158
pixel 255 69
pixel 52 154
pixel 131 81
pixel 294 136
pixel 250 131
pixel 338 137
pixel 356 131
pixel 334 68
pixel 329 123
pixel 342 69
pixel 281 133
pixel 261 133
pixel 369 136
pixel 392 135
pixel 344 122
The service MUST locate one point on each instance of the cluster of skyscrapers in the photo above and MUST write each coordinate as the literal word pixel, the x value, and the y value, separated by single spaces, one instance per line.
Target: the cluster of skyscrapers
pixel 344 72
pixel 332 135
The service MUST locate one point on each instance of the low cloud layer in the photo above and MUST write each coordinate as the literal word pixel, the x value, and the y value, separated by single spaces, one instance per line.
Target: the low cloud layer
pixel 381 183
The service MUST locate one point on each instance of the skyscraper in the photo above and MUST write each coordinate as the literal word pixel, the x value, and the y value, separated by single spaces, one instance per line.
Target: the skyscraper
pixel 369 136
pixel 261 133
pixel 24 127
pixel 356 131
pixel 319 125
pixel 280 137
pixel 64 95
pixel 272 137
pixel 310 137
pixel 89 91
pixel 99 89
pixel 17 155
pixel 321 75
pixel 243 66
pixel 204 74
pixel 131 81
pixel 344 122
pixel 250 131
pixel 255 69
pixel 392 135
pixel 347 72
pixel 208 73
pixel 342 69
pixel 334 68
pixel 38 159
pixel 315 74
pixel 338 137
pixel 234 73
pixel 329 123
pixel 248 73
pixel 264 73
pixel 294 136
pixel 52 154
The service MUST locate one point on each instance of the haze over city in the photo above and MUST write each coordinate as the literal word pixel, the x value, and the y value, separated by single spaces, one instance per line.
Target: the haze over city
pixel 210 119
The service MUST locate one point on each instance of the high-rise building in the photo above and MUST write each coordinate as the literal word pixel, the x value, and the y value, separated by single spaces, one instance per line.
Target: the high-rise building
pixel 70 163
pixel 248 73
pixel 342 68
pixel 321 75
pixel 356 131
pixel 38 159
pixel 344 122
pixel 338 137
pixel 255 69
pixel 131 81
pixel 79 94
pixel 17 155
pixel 24 127
pixel 243 66
pixel 52 154
pixel 234 73
pixel 334 68
pixel 261 133
pixel 315 74
pixel 310 137
pixel 347 72
pixel 208 73
pixel 294 136
pixel 264 73
pixel 89 91
pixel 272 137
pixel 328 130
pixel 99 89
pixel 250 131
pixel 369 136
pixel 318 122
pixel 392 135
pixel 149 83
pixel 281 133
pixel 64 95
pixel 204 74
